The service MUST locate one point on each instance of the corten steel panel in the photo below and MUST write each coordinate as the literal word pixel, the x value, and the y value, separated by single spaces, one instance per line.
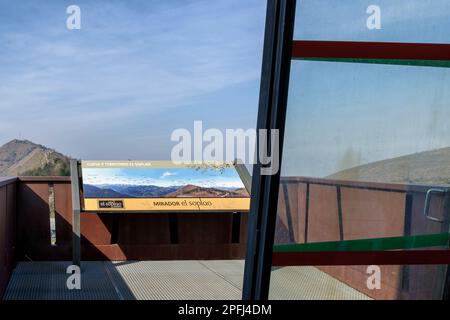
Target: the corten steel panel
pixel 63 213
pixel 366 214
pixel 3 249
pixel 372 214
pixel 324 226
pixel 10 226
pixel 7 233
pixel 243 234
pixel 204 228
pixel 33 221
pixel 120 252
pixel 143 228
pixel 323 216
pixel 96 228
pixel 139 236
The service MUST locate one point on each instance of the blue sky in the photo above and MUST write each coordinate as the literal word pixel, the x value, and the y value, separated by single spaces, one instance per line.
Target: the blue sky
pixel 402 20
pixel 228 178
pixel 140 69
pixel 136 71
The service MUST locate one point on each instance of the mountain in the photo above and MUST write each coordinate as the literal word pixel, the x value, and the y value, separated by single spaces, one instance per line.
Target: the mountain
pixel 91 191
pixel 241 193
pixel 200 192
pixel 429 167
pixel 128 191
pixel 25 158
pixel 141 191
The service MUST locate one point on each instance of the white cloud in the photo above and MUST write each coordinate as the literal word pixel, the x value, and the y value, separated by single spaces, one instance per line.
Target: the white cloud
pixel 168 174
pixel 131 60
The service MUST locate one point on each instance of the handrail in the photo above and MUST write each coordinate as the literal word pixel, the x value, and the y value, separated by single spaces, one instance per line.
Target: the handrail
pixel 44 179
pixel 7 180
pixel 426 210
pixel 368 185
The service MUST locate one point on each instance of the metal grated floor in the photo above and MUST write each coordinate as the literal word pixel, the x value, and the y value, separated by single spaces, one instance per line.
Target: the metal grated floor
pixel 309 283
pixel 166 280
pixel 142 280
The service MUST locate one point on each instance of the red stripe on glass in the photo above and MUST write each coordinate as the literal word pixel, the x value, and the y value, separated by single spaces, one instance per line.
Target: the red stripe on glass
pixel 370 50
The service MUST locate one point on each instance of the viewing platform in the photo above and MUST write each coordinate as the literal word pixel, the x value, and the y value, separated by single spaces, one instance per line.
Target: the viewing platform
pixel 201 256
pixel 167 280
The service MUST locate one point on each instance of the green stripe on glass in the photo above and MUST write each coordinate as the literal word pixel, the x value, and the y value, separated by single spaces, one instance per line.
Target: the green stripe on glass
pixel 378 244
pixel 420 63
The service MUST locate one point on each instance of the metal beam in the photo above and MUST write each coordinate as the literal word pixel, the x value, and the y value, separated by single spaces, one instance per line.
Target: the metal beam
pixel 271 116
pixel 76 210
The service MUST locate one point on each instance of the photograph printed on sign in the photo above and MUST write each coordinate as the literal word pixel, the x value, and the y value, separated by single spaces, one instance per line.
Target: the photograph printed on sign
pixel 162 183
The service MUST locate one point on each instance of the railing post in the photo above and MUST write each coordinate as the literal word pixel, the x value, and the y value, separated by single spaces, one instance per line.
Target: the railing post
pixel 76 210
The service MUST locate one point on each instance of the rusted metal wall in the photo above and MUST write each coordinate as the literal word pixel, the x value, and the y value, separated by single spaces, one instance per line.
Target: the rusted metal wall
pixel 119 236
pixel 309 210
pixel 318 210
pixel 7 230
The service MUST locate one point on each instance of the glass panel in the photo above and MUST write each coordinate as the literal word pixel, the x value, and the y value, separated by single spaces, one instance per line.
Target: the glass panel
pixel 364 144
pixel 358 283
pixel 400 20
pixel 344 115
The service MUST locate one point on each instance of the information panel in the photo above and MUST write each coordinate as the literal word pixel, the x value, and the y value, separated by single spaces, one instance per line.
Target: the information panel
pixel 162 187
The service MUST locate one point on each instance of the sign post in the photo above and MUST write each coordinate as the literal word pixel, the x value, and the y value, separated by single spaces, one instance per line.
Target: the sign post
pixel 76 211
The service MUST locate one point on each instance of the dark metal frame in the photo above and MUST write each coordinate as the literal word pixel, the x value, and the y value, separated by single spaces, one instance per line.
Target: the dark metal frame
pixel 272 115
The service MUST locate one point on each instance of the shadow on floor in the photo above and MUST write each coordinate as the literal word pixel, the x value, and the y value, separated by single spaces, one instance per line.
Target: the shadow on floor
pixel 131 280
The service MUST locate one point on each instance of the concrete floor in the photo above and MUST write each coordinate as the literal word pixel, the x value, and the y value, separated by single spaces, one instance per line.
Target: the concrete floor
pixel 167 280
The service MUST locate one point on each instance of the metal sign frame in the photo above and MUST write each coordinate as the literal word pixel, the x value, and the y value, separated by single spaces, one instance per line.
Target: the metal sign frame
pixel 77 208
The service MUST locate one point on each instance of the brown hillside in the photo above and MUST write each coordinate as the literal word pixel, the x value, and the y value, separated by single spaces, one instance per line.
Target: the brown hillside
pixel 22 157
pixel 429 167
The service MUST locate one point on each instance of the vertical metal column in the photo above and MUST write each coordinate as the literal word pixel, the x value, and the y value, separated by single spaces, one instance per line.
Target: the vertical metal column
pixel 76 210
pixel 272 115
